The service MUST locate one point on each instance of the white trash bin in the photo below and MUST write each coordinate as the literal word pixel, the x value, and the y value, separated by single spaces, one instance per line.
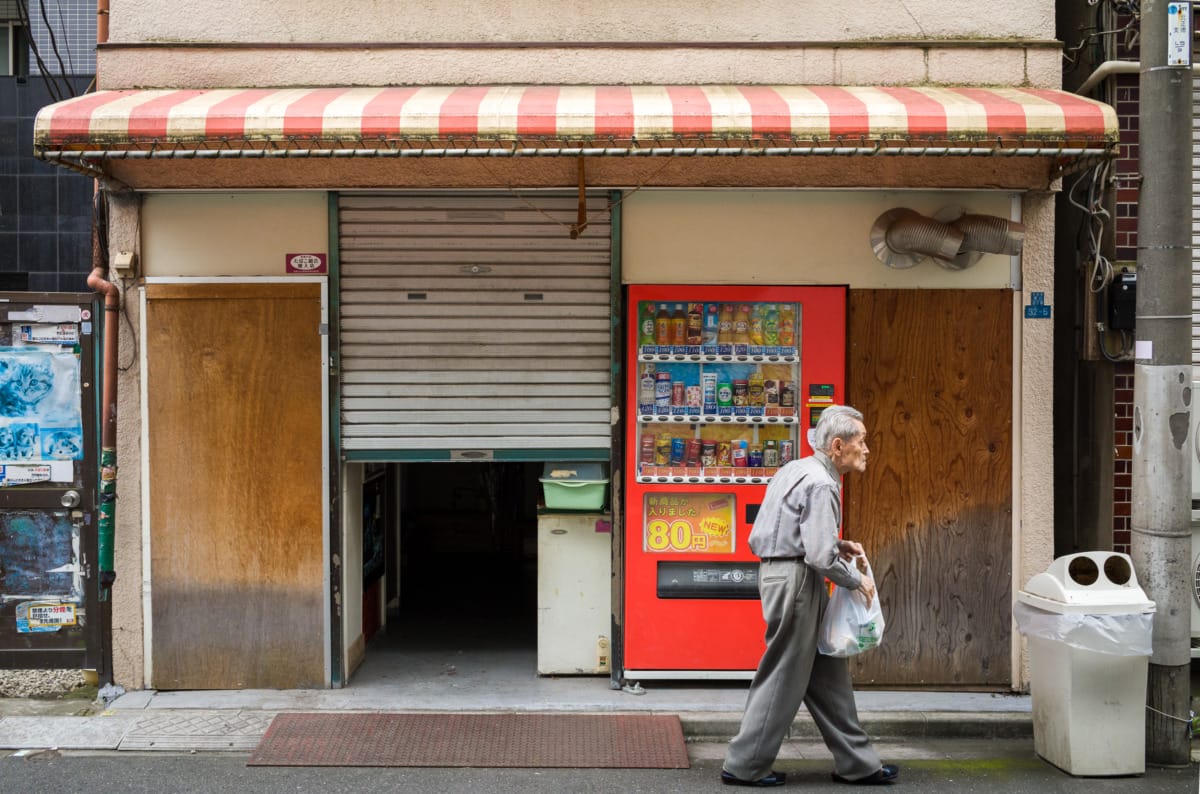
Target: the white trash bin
pixel 1089 627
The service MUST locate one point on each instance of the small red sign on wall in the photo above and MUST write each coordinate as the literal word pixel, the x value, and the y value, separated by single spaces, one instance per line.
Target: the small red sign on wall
pixel 307 264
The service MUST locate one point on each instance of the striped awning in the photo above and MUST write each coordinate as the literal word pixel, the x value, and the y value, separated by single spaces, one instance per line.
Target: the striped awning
pixel 573 120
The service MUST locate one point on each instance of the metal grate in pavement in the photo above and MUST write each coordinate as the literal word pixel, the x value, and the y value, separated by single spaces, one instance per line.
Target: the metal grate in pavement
pixel 629 741
pixel 198 730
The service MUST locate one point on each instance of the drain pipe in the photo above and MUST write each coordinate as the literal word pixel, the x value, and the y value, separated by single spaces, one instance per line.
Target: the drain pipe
pixel 98 280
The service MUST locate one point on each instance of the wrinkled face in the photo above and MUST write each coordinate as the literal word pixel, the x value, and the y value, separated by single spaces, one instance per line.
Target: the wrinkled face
pixel 850 455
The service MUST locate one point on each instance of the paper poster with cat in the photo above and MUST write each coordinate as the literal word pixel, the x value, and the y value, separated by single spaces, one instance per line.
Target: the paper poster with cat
pixel 40 416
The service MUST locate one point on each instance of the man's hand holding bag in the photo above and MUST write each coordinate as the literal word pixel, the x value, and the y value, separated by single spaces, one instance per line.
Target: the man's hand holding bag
pixel 851 625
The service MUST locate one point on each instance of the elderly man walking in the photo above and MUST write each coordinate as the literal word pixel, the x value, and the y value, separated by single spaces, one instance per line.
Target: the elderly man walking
pixel 796 535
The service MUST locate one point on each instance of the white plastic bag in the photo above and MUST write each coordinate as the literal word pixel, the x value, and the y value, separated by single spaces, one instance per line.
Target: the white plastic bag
pixel 850 626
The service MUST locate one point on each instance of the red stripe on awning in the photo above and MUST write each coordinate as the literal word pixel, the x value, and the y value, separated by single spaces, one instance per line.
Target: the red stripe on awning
pixel 227 118
pixel 460 111
pixel 926 116
pixel 1004 116
pixel 150 119
pixel 306 116
pixel 381 116
pixel 1081 115
pixel 769 112
pixel 691 110
pixel 848 114
pixel 614 111
pixel 73 119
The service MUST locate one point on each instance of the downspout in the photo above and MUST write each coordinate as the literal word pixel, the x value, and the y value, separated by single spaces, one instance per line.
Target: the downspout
pixel 98 280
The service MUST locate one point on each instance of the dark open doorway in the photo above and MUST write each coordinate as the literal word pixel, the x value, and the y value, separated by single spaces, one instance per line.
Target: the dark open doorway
pixel 461 570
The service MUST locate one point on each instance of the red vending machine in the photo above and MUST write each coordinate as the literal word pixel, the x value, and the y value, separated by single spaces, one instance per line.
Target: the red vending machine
pixel 725 382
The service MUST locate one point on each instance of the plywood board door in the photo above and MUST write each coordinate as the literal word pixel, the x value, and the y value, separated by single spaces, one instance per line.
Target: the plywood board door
pixel 234 416
pixel 931 370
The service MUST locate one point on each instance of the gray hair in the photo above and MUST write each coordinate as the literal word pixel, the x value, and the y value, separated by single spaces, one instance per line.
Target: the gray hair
pixel 837 421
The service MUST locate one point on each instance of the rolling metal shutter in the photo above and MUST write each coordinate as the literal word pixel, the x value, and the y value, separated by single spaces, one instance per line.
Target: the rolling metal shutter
pixel 473 326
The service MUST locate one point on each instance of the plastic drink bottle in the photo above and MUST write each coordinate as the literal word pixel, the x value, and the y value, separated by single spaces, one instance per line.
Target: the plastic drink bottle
pixel 695 323
pixel 756 324
pixel 646 323
pixel 646 390
pixel 770 326
pixel 678 326
pixel 725 326
pixel 662 326
pixel 741 325
pixel 712 324
pixel 787 325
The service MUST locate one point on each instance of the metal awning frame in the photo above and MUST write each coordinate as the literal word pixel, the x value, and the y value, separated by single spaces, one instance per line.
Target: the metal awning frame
pixel 317 147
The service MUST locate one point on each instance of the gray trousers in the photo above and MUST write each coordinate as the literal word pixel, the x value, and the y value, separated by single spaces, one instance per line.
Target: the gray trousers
pixel 791 672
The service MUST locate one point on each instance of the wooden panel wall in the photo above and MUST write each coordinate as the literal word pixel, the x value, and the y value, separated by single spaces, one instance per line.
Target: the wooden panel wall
pixel 931 371
pixel 234 385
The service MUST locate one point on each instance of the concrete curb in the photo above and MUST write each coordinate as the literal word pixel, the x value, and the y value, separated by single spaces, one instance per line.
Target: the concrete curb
pixel 718 727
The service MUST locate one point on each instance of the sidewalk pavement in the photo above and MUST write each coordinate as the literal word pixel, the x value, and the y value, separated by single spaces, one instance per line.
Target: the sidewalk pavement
pixel 710 712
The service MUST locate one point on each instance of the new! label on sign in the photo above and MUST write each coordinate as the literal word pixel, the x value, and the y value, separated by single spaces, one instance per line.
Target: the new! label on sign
pixel 305 263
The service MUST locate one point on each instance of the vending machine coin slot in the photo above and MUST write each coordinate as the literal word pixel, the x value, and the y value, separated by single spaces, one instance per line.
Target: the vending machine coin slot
pixel 724 580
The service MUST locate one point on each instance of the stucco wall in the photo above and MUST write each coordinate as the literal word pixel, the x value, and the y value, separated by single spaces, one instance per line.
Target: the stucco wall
pixel 127 617
pixel 378 42
pixel 867 64
pixel 614 20
pixel 789 237
pixel 256 231
pixel 1033 430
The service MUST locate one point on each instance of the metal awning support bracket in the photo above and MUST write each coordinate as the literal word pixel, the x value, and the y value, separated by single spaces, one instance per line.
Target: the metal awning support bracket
pixel 581 218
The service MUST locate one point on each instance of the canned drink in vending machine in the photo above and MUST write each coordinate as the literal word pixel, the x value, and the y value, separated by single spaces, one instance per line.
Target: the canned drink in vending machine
pixel 662 393
pixel 692 455
pixel 678 392
pixel 678 450
pixel 647 450
pixel 724 454
pixel 754 455
pixel 741 393
pixel 662 450
pixel 708 454
pixel 786 448
pixel 708 392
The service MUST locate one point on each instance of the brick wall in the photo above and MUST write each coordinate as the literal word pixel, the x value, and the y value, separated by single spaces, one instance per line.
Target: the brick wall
pixel 1122 454
pixel 1125 100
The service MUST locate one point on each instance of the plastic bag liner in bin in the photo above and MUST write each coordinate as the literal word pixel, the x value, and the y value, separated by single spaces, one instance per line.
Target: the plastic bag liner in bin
pixel 1119 635
pixel 1090 601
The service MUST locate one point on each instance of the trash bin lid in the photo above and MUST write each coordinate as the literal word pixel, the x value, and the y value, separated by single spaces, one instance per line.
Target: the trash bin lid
pixel 1095 582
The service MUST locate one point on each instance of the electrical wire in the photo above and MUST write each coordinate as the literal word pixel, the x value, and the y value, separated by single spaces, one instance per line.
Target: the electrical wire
pixel 62 67
pixel 62 23
pixel 1096 215
pixel 48 76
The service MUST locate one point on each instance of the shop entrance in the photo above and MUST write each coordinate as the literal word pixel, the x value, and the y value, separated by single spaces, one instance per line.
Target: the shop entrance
pixel 454 588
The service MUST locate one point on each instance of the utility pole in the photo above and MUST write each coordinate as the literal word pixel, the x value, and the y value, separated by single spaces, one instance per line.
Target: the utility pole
pixel 1162 396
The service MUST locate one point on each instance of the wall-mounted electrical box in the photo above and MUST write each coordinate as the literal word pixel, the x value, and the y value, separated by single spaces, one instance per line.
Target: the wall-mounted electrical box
pixel 1122 302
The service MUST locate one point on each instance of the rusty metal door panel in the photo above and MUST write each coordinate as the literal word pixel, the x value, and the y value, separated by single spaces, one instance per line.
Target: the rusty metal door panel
pixel 49 598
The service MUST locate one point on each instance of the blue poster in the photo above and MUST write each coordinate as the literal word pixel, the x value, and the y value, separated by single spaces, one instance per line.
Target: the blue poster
pixel 40 418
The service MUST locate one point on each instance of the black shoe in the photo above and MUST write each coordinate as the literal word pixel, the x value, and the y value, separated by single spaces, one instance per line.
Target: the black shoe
pixel 882 776
pixel 773 779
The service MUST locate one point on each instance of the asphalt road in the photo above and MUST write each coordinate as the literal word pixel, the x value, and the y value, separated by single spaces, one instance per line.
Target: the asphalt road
pixel 1011 771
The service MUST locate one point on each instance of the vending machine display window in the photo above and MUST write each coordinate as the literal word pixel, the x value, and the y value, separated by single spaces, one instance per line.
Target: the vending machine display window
pixel 725 383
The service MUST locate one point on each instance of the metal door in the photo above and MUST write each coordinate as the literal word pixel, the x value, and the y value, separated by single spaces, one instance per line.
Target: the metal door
pixel 49 604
